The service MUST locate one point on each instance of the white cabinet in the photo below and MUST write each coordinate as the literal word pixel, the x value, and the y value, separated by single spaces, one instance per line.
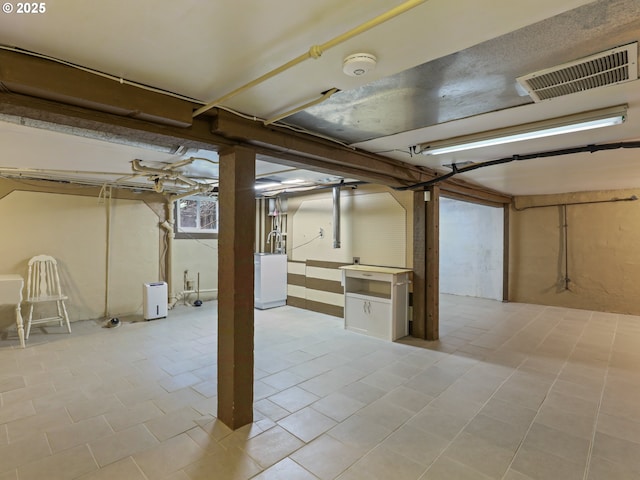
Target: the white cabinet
pixel 376 300
pixel 368 316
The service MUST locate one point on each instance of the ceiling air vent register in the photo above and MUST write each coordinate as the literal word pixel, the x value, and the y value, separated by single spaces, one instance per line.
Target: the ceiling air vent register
pixel 606 68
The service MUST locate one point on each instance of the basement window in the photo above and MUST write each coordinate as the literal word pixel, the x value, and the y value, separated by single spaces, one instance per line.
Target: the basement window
pixel 197 217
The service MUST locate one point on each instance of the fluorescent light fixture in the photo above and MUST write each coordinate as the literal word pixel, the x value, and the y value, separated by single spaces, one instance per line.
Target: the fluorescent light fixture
pixel 546 128
pixel 293 181
pixel 265 185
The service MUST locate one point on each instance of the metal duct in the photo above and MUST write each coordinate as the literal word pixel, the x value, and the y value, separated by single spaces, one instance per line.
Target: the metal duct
pixel 336 217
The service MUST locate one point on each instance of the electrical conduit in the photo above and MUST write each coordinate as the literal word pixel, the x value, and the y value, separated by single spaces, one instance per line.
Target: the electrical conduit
pixel 336 217
pixel 315 51
pixel 105 193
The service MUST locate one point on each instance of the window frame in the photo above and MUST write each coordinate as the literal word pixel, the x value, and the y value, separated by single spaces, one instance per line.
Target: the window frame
pixel 196 232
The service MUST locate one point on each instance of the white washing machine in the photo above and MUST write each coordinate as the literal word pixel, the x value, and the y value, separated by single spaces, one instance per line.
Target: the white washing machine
pixel 270 287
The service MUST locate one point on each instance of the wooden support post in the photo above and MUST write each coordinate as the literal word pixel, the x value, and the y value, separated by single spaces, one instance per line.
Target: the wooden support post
pixel 432 276
pixel 505 253
pixel 235 287
pixel 419 323
pixel 426 264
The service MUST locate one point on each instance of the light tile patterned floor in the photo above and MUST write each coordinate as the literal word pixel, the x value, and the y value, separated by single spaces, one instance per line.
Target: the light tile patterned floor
pixel 512 392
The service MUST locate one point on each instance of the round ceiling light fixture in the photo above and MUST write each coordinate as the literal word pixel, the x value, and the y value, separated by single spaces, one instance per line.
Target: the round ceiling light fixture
pixel 359 64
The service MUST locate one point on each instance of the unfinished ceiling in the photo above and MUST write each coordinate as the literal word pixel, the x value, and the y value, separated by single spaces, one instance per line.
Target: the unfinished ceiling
pixel 444 69
pixel 36 152
pixel 478 80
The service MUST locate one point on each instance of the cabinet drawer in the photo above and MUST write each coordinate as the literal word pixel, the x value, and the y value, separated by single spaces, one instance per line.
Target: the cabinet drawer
pixel 369 275
pixel 367 296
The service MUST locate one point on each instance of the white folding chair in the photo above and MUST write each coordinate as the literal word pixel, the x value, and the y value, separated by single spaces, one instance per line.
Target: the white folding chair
pixel 43 285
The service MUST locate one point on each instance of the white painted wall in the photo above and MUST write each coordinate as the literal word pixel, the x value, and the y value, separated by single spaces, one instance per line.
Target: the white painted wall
pixel 373 227
pixel 471 243
pixel 196 255
pixel 72 228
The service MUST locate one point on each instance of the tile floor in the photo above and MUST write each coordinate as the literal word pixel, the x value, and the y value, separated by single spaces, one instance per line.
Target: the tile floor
pixel 512 392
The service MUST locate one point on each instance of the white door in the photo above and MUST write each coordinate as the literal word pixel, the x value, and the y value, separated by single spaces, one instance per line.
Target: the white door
pixel 379 313
pixel 355 314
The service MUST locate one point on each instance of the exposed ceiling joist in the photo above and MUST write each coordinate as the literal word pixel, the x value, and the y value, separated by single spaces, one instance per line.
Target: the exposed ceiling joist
pixel 320 165
pixel 125 129
pixel 314 149
pixel 465 194
pixel 107 126
pixel 45 79
pixel 99 107
pixel 39 77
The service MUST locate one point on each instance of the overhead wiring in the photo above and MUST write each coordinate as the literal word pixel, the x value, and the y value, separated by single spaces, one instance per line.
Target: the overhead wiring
pixel 76 182
pixel 632 198
pixel 552 153
pixel 24 180
pixel 308 188
pixel 192 237
pixel 409 152
pixel 308 242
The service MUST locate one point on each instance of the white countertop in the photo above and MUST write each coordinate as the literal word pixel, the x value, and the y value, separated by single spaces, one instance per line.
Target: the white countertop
pixel 11 289
pixel 375 269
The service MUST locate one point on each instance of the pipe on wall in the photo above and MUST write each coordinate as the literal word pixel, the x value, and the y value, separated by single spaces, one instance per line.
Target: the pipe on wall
pixel 565 228
pixel 106 195
pixel 336 217
pixel 162 173
pixel 632 198
pixel 168 227
pixel 185 293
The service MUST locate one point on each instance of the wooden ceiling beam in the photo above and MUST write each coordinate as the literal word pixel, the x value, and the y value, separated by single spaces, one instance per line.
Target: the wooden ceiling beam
pixel 322 165
pixel 48 79
pixel 107 126
pixel 76 101
pixel 312 149
pixel 317 153
pixel 111 127
pixel 461 190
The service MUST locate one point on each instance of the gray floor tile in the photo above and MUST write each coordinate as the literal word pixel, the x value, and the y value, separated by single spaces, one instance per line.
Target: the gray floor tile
pixel 511 391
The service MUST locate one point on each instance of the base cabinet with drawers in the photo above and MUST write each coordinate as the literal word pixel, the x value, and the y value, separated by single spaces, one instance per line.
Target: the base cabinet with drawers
pixel 376 300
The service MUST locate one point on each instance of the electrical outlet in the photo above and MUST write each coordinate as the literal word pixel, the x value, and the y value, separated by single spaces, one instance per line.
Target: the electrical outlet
pixel 356 260
pixel 321 233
